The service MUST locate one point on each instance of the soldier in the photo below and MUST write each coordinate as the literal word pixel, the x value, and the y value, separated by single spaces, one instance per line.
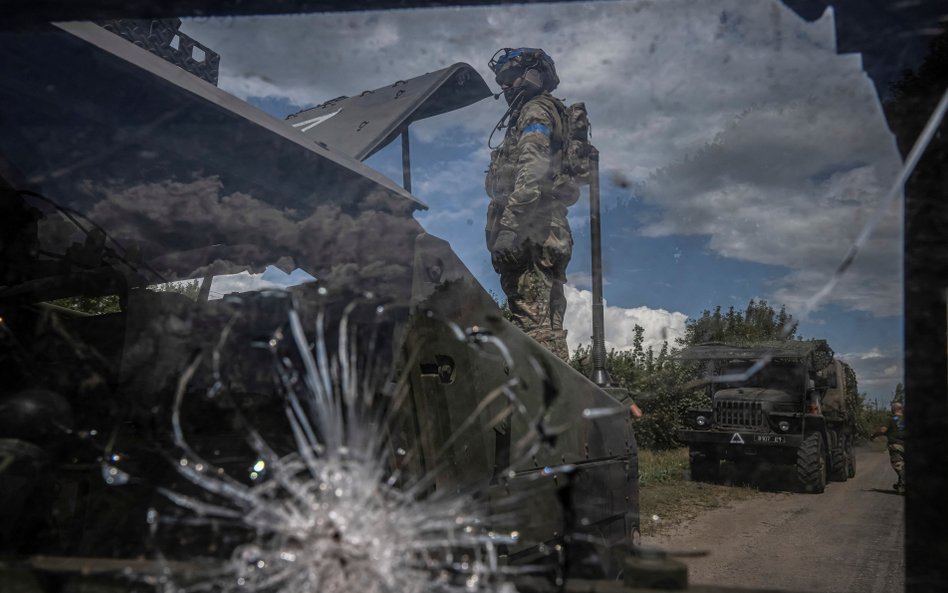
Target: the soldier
pixel 527 230
pixel 894 433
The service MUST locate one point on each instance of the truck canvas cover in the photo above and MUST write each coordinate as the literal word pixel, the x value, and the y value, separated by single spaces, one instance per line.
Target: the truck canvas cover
pixel 786 349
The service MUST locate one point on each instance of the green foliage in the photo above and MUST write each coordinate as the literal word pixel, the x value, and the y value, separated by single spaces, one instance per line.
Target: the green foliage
pixel 90 305
pixel 865 417
pixel 759 322
pixel 856 404
pixel 657 384
pixel 869 419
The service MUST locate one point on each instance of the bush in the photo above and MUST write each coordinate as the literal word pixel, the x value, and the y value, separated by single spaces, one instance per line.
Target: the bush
pixel 656 383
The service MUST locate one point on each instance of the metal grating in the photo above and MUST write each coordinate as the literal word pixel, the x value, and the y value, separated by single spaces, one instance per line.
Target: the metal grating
pixel 163 38
pixel 739 414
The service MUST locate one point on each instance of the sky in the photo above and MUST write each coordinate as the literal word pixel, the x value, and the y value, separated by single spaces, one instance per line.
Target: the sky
pixel 740 154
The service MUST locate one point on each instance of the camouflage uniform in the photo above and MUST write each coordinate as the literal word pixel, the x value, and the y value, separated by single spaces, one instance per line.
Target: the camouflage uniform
pixel 519 182
pixel 895 435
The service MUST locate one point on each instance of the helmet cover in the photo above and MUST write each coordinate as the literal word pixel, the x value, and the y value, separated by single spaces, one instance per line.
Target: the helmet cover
pixel 511 65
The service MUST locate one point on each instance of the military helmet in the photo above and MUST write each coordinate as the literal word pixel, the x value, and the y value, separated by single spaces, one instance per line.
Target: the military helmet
pixel 523 70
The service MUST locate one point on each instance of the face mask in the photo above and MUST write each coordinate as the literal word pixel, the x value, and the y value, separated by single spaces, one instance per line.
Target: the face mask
pixel 521 84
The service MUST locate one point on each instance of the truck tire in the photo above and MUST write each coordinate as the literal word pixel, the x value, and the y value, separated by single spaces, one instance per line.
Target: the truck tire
pixel 850 459
pixel 705 466
pixel 811 464
pixel 837 471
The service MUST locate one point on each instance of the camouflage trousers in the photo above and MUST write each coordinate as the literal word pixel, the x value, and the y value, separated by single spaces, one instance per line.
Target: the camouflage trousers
pixel 897 459
pixel 534 289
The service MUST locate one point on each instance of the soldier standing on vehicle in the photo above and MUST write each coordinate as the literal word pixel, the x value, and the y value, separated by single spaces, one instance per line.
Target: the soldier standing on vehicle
pixel 527 231
pixel 894 433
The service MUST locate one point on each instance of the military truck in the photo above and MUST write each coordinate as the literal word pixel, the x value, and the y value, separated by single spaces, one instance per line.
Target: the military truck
pixel 173 258
pixel 781 402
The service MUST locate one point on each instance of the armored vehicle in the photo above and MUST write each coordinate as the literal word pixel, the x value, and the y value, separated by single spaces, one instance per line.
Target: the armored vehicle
pixel 783 402
pixel 176 266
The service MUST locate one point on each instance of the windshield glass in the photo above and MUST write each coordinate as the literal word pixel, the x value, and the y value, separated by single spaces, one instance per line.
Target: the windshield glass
pixel 782 375
pixel 312 302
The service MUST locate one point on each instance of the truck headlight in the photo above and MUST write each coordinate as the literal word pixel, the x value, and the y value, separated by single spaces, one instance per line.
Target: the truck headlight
pixel 701 421
pixel 783 425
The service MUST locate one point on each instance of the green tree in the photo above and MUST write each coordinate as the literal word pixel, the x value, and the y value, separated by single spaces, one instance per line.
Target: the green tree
pixel 759 322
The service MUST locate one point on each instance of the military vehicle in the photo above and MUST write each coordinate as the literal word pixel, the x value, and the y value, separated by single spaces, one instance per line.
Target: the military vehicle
pixel 781 402
pixel 160 237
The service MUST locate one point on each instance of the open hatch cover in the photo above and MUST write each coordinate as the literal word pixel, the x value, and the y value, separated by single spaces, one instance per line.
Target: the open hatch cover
pixel 360 126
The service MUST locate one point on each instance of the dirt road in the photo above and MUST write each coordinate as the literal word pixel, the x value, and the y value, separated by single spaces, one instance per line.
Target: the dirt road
pixel 848 539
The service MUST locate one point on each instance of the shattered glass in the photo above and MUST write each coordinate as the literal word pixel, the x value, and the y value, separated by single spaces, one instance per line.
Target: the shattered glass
pixel 237 358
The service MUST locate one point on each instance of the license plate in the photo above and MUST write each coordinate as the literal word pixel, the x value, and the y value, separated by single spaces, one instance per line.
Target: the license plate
pixel 769 438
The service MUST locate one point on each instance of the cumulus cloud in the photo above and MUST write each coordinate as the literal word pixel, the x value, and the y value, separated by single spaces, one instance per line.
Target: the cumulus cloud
pixel 878 370
pixel 799 205
pixel 199 228
pixel 736 119
pixel 659 325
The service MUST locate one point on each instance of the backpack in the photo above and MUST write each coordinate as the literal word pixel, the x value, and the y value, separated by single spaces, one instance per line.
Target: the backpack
pixel 576 148
pixel 574 153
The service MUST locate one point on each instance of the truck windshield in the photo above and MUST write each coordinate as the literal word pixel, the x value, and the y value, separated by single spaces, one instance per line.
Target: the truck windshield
pixel 786 376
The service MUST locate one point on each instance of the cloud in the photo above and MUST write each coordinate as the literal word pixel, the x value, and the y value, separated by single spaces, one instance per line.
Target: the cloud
pixel 739 191
pixel 873 353
pixel 659 325
pixel 199 228
pixel 735 119
pixel 878 370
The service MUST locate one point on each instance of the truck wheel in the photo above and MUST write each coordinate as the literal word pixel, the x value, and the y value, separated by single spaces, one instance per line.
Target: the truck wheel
pixel 837 458
pixel 850 460
pixel 811 464
pixel 705 466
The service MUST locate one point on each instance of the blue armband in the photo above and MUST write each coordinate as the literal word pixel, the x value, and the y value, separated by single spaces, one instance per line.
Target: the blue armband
pixel 540 128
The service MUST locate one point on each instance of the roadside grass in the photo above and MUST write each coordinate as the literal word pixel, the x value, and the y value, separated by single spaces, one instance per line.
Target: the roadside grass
pixel 667 497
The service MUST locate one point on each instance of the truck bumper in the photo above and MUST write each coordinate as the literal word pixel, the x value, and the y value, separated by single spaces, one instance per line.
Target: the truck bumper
pixel 720 439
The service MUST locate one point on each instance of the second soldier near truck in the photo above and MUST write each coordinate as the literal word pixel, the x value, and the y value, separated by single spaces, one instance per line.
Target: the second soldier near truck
pixel 527 231
pixel 894 432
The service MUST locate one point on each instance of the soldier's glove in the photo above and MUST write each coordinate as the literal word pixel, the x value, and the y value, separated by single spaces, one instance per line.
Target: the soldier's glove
pixel 506 250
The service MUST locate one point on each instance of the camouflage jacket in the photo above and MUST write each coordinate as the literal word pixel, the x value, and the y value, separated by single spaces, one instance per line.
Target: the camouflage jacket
pixel 520 178
pixel 895 430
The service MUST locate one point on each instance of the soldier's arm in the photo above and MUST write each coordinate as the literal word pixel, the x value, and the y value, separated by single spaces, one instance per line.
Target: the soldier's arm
pixel 533 166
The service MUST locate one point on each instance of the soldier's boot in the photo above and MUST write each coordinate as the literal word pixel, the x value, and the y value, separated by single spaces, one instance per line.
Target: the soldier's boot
pixel 899 486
